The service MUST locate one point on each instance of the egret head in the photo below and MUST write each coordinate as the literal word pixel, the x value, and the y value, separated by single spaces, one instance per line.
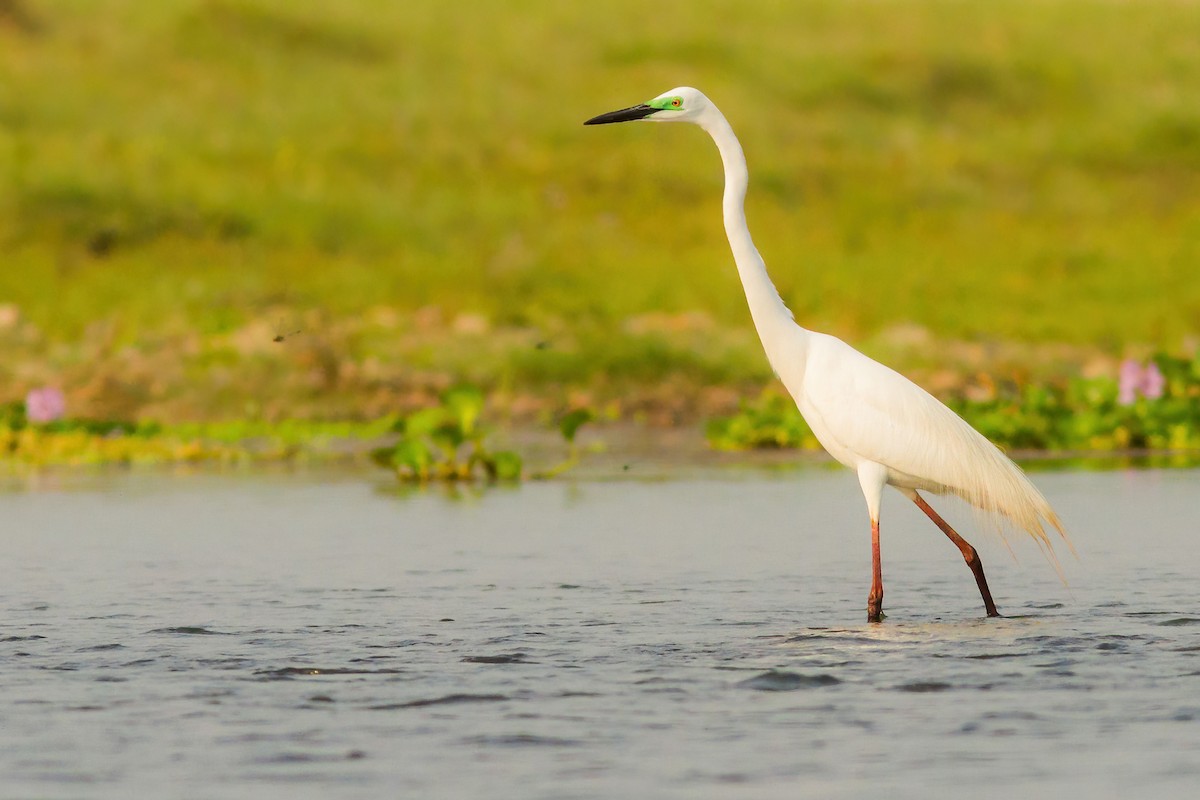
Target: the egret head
pixel 683 104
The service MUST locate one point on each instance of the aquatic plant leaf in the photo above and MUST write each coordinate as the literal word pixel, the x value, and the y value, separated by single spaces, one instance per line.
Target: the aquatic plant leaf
pixel 506 465
pixel 573 421
pixel 448 437
pixel 465 403
pixel 12 415
pixel 425 421
pixel 414 455
pixel 772 421
pixel 384 456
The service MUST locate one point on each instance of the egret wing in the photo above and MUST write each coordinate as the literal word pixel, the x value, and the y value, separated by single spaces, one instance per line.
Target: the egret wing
pixel 879 415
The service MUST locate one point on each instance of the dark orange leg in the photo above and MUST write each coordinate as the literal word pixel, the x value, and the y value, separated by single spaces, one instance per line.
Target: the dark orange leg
pixel 964 547
pixel 875 598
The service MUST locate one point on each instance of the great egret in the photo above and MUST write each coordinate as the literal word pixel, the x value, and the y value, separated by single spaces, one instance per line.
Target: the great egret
pixel 870 418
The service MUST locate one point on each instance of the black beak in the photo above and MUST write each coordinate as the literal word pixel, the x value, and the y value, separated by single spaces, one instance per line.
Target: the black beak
pixel 624 115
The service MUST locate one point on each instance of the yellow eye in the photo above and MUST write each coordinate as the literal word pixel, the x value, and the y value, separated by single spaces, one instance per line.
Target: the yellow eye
pixel 676 103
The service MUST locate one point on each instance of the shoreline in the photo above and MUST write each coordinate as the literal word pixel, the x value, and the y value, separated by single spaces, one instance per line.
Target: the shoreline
pixel 614 451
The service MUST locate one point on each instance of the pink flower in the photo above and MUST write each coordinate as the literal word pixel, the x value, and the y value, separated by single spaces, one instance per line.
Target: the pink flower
pixel 1130 379
pixel 1153 382
pixel 1135 379
pixel 45 405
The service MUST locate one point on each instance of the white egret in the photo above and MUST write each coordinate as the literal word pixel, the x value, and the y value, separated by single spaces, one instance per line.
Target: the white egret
pixel 870 418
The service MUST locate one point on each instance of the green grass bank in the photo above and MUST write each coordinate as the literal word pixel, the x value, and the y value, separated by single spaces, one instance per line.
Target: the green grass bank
pixel 403 196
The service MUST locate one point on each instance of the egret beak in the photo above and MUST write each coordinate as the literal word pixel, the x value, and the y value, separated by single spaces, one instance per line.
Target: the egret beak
pixel 624 115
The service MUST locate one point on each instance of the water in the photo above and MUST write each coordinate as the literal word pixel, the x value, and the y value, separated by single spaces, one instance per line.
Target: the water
pixel 233 637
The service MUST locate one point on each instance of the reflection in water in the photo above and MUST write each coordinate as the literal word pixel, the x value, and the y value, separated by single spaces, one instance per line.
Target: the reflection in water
pixel 210 636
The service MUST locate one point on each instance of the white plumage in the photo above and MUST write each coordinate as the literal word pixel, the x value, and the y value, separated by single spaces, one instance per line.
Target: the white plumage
pixel 862 411
pixel 869 417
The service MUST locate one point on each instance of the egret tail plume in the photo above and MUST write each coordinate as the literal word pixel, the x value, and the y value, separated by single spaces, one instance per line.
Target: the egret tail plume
pixel 989 480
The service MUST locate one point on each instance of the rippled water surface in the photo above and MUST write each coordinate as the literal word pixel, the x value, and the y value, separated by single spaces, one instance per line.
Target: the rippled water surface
pixel 305 637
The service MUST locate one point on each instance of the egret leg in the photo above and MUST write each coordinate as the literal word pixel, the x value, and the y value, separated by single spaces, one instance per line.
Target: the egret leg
pixel 873 477
pixel 964 547
pixel 875 598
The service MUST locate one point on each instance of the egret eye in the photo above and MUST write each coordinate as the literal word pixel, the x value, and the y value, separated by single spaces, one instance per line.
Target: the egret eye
pixel 676 103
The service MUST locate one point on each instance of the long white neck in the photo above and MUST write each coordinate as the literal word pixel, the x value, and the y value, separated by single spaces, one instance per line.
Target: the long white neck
pixel 772 319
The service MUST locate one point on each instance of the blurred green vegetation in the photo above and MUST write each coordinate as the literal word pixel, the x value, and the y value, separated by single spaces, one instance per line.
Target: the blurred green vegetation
pixel 447 442
pixel 88 442
pixel 409 188
pixel 1086 415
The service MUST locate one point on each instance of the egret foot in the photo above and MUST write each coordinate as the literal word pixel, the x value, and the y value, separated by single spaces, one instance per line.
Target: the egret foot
pixel 875 608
